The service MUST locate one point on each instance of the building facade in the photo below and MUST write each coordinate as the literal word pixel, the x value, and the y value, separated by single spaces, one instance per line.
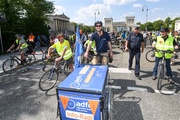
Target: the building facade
pixel 60 23
pixel 127 25
pixel 177 25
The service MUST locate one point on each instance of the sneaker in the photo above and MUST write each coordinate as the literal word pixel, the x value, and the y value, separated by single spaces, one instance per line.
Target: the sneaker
pixel 154 78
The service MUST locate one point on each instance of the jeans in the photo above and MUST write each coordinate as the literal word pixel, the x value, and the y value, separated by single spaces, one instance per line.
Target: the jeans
pixel 168 67
pixel 137 55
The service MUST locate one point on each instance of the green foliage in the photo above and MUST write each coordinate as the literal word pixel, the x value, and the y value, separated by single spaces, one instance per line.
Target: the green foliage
pixel 156 25
pixel 23 17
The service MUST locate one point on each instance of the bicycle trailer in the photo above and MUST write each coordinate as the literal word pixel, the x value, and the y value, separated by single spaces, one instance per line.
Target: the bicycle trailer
pixel 82 95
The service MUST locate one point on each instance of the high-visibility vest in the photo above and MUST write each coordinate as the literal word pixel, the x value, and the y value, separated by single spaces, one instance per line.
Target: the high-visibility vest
pixel 93 45
pixel 31 38
pixel 60 49
pixel 154 36
pixel 23 46
pixel 177 38
pixel 167 45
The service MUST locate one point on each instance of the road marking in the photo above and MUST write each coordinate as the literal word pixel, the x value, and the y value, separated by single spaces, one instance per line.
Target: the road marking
pixel 119 70
pixel 137 89
pixel 28 79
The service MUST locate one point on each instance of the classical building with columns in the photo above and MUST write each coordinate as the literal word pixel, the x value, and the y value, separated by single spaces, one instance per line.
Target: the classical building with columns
pixel 127 25
pixel 60 23
pixel 177 25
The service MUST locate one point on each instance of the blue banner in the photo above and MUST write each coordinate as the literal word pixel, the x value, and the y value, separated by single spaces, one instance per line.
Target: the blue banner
pixel 79 48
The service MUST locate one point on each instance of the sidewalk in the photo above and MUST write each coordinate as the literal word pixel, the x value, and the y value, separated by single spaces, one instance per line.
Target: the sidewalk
pixel 7 56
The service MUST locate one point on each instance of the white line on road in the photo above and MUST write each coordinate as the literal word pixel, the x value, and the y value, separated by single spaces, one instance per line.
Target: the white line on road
pixel 119 70
pixel 28 79
pixel 137 89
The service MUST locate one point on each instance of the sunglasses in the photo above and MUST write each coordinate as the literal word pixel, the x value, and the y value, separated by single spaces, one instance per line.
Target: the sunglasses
pixel 98 25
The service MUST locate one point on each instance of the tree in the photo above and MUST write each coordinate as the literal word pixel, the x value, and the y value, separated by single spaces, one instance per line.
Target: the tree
pixel 157 25
pixel 167 22
pixel 24 16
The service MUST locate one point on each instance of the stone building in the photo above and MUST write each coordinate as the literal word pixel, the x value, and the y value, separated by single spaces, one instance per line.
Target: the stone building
pixel 127 25
pixel 177 25
pixel 60 23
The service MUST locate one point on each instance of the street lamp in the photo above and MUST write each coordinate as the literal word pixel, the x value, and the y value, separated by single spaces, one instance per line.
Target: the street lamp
pixel 96 12
pixel 144 6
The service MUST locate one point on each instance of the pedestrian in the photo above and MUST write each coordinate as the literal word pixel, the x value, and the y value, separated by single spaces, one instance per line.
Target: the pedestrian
pixel 103 44
pixel 37 43
pixel 164 42
pixel 135 45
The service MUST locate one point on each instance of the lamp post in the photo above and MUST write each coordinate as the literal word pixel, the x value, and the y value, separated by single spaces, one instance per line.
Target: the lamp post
pixel 96 12
pixel 144 6
pixel 2 19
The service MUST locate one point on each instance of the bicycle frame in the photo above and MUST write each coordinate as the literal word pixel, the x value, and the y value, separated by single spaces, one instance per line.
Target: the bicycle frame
pixel 161 67
pixel 14 56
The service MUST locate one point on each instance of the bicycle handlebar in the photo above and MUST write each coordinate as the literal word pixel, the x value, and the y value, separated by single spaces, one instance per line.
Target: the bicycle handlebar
pixel 164 51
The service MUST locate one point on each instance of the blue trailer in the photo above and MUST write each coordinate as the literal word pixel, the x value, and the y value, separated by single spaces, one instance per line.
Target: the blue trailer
pixel 83 95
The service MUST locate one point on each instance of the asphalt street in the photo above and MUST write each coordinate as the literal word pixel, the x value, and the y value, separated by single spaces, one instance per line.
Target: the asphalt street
pixel 21 98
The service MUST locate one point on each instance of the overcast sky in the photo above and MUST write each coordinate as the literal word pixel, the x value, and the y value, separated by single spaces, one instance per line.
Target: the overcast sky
pixel 82 11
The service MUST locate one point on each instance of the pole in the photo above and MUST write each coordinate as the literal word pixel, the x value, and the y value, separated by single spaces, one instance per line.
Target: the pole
pixel 146 14
pixel 1 42
pixel 95 16
pixel 146 17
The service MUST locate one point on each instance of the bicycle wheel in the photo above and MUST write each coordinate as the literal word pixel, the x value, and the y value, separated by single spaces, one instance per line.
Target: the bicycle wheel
pixel 169 89
pixel 122 46
pixel 48 80
pixel 66 69
pixel 160 76
pixel 30 58
pixel 150 56
pixel 10 65
pixel 108 105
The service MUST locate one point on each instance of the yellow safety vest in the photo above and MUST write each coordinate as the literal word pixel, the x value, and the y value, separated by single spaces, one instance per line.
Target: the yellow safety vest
pixel 23 46
pixel 177 38
pixel 93 45
pixel 154 36
pixel 60 48
pixel 167 45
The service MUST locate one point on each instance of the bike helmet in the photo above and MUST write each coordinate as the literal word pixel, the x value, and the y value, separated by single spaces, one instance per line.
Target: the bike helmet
pixel 98 22
pixel 164 30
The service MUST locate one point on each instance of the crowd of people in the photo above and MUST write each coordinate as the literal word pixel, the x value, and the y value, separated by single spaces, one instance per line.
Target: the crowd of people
pixel 100 43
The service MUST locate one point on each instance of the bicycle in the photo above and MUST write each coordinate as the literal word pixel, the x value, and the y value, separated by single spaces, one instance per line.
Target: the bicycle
pixel 170 88
pixel 150 55
pixel 12 64
pixel 50 77
pixel 161 72
pixel 49 61
pixel 122 45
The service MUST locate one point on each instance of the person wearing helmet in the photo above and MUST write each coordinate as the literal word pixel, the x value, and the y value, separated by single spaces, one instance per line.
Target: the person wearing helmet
pixel 135 45
pixel 164 42
pixel 64 50
pixel 103 44
pixel 20 44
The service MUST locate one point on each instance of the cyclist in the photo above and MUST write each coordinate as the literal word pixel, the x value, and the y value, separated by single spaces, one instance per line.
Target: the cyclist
pixel 21 45
pixel 103 43
pixel 63 49
pixel 93 46
pixel 164 42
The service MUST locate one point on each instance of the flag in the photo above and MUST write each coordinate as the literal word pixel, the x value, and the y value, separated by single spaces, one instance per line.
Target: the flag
pixel 79 48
